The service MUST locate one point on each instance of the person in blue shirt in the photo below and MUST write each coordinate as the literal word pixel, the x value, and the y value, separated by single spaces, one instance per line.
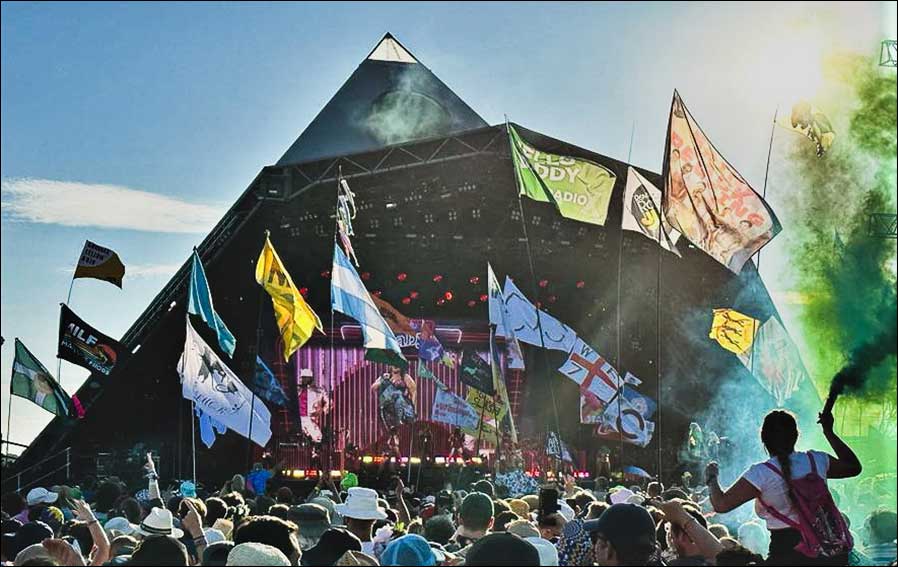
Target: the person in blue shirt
pixel 258 477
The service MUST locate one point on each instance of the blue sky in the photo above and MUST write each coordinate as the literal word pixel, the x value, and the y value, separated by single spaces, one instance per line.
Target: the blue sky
pixel 136 125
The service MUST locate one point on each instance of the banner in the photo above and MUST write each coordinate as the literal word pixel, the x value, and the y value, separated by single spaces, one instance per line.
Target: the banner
pixel 557 449
pixel 429 346
pixel 777 363
pixel 199 302
pixel 591 372
pixel 100 263
pixel 219 393
pixel 532 325
pixel 451 409
pixel 397 322
pixel 481 402
pixel 642 212
pixel 734 331
pixel 499 319
pixel 580 189
pixel 811 123
pixel 31 380
pixel 81 344
pixel 265 385
pixel 707 200
pixel 476 372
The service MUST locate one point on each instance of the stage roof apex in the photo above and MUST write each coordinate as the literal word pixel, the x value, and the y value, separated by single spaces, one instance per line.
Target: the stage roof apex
pixel 389 49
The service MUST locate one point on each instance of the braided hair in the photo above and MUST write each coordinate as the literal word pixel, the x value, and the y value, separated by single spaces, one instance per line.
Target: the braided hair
pixel 779 434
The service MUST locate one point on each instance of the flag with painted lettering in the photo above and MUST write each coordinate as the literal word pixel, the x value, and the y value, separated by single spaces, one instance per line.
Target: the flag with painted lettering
pixel 350 297
pixel 81 344
pixel 777 363
pixel 208 382
pixel 579 188
pixel 199 302
pixel 31 380
pixel 557 449
pixel 734 331
pixel 453 410
pixel 642 212
pixel 707 200
pixel 591 372
pixel 265 384
pixel 296 320
pixel 534 326
pixel 489 405
pixel 100 263
pixel 476 372
pixel 810 121
pixel 499 318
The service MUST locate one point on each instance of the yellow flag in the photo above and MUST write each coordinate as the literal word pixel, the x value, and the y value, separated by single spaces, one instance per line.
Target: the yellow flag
pixel 734 331
pixel 295 318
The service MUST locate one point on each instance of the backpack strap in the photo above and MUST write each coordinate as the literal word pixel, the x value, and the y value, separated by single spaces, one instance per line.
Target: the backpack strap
pixel 773 467
pixel 813 463
pixel 779 515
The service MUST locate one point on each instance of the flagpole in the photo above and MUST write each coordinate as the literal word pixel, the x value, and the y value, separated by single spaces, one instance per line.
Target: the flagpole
pixel 766 174
pixel 193 438
pixel 252 403
pixel 68 300
pixel 8 419
pixel 333 354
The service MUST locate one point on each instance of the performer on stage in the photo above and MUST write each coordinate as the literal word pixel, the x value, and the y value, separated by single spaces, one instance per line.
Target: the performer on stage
pixel 314 405
pixel 396 399
pixel 457 443
pixel 426 439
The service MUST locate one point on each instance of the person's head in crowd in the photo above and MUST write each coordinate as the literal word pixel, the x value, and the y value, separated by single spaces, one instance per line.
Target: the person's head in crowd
pixel 284 495
pixel 360 511
pixel 500 506
pixel 331 507
pixel 119 526
pixel 476 515
pixel 551 525
pixel 216 554
pixel 519 507
pixel 238 483
pixel 548 553
pixel 719 530
pixel 234 498
pixel 331 546
pixel 503 519
pixel 674 493
pixel 159 550
pixel 215 508
pixel 439 529
pixel 779 433
pixel 409 550
pixel 738 555
pixel 281 511
pixel 130 509
pixel 485 487
pixel 122 545
pixel 754 536
pixel 252 553
pixel 312 519
pixel 13 504
pixel 654 489
pixel 108 493
pixel 680 541
pixel 445 503
pixel 416 526
pixel 35 554
pixel 880 527
pixel 602 484
pixel 263 504
pixel 199 506
pixel 28 534
pixel 80 531
pixel 225 526
pixel 522 528
pixel 173 505
pixel 623 535
pixel 270 531
pixel 532 501
pixel 502 549
pixel 53 517
pixel 595 510
pixel 583 499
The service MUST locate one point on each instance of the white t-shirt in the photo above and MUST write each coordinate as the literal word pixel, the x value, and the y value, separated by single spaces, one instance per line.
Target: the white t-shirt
pixel 773 488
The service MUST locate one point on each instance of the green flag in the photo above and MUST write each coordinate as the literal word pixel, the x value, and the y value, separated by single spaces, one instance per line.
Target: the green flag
pixel 31 380
pixel 579 188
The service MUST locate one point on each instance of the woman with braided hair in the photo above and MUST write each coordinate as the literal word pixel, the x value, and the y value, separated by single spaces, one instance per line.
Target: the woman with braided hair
pixel 790 493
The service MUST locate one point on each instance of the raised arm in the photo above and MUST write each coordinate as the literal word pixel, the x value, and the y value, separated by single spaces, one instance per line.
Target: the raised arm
pixel 707 542
pixel 101 541
pixel 731 498
pixel 376 384
pixel 153 479
pixel 412 387
pixel 845 464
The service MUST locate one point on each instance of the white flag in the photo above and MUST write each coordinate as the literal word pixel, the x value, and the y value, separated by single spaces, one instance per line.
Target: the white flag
pixel 593 373
pixel 526 322
pixel 642 212
pixel 218 392
pixel 622 418
pixel 499 318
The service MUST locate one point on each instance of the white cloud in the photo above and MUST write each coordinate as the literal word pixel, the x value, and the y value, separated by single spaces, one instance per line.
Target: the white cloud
pixel 70 203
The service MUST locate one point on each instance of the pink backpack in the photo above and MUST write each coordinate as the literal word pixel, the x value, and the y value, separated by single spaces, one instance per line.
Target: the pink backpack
pixel 823 530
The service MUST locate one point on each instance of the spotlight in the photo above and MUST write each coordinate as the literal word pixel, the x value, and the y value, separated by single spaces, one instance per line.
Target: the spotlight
pixel 367 459
pixel 581 284
pixel 401 276
pixel 366 276
pixel 552 299
pixel 326 274
pixel 474 280
pixel 471 303
pixel 441 301
pixel 406 300
pixel 483 298
pixel 543 283
pixel 413 294
pixel 448 296
pixel 304 291
pixel 437 278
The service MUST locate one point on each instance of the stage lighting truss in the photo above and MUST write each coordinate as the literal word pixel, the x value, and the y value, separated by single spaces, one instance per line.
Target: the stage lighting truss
pixel 888 54
pixel 882 225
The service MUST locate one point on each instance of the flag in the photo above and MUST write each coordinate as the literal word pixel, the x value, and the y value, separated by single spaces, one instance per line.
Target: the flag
pixel 777 364
pixel 591 372
pixel 209 427
pixel 499 318
pixel 811 123
pixel 199 302
pixel 525 321
pixel 499 386
pixel 557 449
pixel 397 322
pixel 476 372
pixel 295 318
pixel 636 471
pixel 81 344
pixel 624 422
pixel 266 386
pixel 481 402
pixel 580 189
pixel 349 296
pixel 424 372
pixel 483 432
pixel 707 200
pixel 450 408
pixel 734 331
pixel 100 263
pixel 429 346
pixel 642 212
pixel 346 211
pixel 32 380
pixel 218 392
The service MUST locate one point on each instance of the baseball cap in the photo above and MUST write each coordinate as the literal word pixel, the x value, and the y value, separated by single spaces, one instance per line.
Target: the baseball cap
pixel 625 526
pixel 502 549
pixel 40 495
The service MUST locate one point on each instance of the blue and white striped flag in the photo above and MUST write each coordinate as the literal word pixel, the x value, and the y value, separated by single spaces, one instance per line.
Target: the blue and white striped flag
pixel 200 303
pixel 349 296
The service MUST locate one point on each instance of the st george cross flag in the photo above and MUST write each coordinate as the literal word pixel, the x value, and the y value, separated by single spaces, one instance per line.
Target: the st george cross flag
pixel 100 263
pixel 200 303
pixel 777 363
pixel 642 212
pixel 295 318
pixel 707 200
pixel 593 373
pixel 526 322
pixel 499 318
pixel 219 393
pixel 31 380
pixel 349 296
pixel 450 408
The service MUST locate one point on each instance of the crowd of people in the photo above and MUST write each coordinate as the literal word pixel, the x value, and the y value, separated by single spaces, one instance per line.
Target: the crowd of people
pixel 255 520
